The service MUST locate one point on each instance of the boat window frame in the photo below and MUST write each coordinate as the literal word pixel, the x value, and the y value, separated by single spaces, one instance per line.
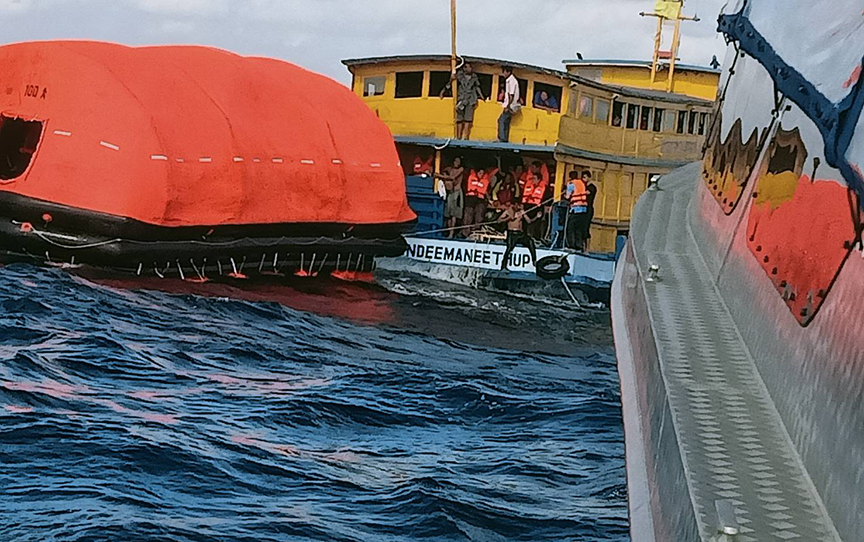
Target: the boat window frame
pixel 369 78
pixel 546 87
pixel 412 73
pixel 608 105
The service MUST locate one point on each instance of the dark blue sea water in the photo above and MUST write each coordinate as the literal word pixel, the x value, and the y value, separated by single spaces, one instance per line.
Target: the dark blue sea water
pixel 345 413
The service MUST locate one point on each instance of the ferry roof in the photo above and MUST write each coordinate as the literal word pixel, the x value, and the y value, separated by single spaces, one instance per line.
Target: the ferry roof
pixel 624 91
pixel 638 63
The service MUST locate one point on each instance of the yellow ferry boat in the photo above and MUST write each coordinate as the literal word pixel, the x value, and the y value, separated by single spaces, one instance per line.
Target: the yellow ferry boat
pixel 626 122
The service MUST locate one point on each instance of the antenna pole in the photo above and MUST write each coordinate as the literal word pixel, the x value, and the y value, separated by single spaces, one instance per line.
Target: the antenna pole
pixel 657 41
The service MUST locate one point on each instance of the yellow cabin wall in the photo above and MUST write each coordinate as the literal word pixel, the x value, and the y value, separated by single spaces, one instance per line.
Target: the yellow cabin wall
pixel 431 116
pixel 690 83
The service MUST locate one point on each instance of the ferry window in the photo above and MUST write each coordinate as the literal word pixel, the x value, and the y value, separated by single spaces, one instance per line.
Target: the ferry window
pixel 553 97
pixel 586 106
pixel 485 84
pixel 409 84
pixel 374 86
pixel 669 122
pixel 18 141
pixel 682 122
pixel 571 107
pixel 645 119
pixel 602 111
pixel 658 119
pixel 617 113
pixel 523 89
pixel 692 127
pixel 632 115
pixel 703 119
pixel 438 82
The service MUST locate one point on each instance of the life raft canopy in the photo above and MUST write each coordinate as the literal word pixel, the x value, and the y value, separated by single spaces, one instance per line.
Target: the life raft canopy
pixel 186 135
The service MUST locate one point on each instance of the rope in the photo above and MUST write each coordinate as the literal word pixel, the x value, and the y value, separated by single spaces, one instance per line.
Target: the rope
pixel 45 238
pixel 491 222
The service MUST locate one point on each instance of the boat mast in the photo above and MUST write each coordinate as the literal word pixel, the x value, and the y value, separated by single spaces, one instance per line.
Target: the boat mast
pixel 667 10
pixel 454 84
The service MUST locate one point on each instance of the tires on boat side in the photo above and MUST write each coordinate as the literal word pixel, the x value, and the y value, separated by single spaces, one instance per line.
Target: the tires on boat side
pixel 552 267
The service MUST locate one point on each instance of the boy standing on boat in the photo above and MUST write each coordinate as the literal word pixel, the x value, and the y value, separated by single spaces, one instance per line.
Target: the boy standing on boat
pixel 469 92
pixel 517 220
pixel 511 104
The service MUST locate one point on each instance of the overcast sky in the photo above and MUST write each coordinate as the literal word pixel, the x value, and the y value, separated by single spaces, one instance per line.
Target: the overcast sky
pixel 317 34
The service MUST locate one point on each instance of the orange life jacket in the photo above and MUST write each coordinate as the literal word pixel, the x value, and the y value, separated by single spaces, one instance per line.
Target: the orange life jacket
pixel 532 193
pixel 535 196
pixel 579 196
pixel 478 185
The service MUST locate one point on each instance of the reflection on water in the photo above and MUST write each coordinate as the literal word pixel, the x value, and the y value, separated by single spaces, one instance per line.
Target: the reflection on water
pixel 320 411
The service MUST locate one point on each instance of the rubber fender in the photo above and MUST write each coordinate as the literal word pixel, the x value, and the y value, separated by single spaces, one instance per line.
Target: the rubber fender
pixel 552 267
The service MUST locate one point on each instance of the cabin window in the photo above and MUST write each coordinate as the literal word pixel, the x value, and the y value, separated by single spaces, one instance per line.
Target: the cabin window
pixel 617 113
pixel 632 115
pixel 523 89
pixel 485 85
pixel 437 82
pixel 409 85
pixel 703 120
pixel 18 141
pixel 659 115
pixel 691 129
pixel 552 101
pixel 669 122
pixel 572 106
pixel 645 118
pixel 682 122
pixel 602 111
pixel 586 107
pixel 374 86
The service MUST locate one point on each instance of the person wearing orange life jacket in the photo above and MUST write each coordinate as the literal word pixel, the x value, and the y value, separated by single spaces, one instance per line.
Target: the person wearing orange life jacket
pixel 533 193
pixel 577 195
pixel 476 196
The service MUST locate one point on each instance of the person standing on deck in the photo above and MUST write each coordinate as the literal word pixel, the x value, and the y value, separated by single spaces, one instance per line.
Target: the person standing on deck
pixel 469 93
pixel 476 196
pixel 510 105
pixel 536 184
pixel 454 206
pixel 592 195
pixel 577 195
pixel 516 220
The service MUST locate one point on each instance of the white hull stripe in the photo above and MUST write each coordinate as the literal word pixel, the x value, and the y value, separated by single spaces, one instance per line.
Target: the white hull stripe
pixel 375 164
pixel 158 157
pixel 62 133
pixel 337 161
pixel 205 160
pixel 238 158
pixel 307 162
pixel 256 160
pixel 180 160
pixel 111 146
pixel 278 160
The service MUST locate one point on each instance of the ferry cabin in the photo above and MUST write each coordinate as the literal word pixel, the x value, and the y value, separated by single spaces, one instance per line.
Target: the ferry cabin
pixel 625 136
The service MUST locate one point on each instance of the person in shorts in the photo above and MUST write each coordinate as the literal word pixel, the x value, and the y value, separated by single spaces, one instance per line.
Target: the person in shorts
pixel 469 93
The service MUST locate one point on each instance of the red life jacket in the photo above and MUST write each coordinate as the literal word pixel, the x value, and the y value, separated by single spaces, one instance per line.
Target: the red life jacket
pixel 532 193
pixel 579 196
pixel 535 196
pixel 421 166
pixel 478 185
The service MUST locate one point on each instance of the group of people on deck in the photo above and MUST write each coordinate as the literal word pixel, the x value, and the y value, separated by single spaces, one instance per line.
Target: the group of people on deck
pixel 470 92
pixel 489 195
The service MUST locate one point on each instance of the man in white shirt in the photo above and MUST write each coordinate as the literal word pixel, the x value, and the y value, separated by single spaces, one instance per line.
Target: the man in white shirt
pixel 510 104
